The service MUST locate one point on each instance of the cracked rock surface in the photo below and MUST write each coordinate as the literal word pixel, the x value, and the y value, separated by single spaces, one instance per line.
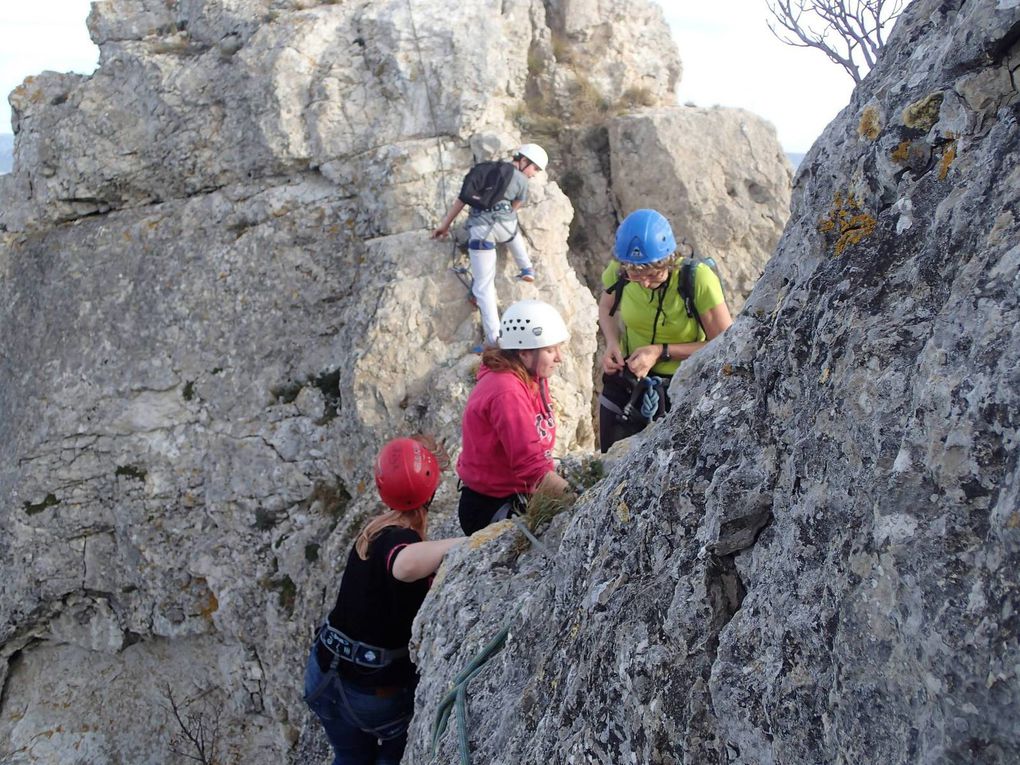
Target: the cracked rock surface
pixel 813 558
pixel 217 300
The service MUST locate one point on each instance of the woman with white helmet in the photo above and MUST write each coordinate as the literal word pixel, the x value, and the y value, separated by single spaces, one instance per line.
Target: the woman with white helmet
pixel 509 429
pixel 497 224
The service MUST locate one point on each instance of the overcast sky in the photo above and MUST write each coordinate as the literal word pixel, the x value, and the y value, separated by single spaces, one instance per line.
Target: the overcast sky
pixel 729 58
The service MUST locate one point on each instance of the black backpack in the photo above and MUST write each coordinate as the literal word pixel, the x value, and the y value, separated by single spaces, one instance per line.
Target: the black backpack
pixel 684 285
pixel 485 183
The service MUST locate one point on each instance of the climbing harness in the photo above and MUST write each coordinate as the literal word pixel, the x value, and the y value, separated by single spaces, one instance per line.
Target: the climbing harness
pixel 356 652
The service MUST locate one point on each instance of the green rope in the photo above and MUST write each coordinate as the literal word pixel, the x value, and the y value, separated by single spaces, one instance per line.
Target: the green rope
pixel 456 697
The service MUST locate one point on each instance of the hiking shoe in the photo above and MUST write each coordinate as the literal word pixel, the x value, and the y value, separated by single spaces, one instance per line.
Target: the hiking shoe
pixel 526 275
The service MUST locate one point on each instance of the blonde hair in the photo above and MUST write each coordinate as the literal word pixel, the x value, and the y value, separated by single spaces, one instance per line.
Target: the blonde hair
pixel 409 519
pixel 669 262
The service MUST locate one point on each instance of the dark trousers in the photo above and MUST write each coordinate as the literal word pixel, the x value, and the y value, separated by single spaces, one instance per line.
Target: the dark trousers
pixel 363 727
pixel 476 511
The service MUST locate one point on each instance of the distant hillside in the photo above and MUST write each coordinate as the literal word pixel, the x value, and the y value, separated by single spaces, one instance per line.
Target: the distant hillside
pixel 795 158
pixel 6 152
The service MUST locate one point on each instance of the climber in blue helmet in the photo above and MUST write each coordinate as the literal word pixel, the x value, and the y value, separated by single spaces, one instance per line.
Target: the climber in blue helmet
pixel 662 319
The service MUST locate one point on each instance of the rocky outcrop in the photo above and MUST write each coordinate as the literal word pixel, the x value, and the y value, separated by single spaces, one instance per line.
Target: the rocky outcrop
pixel 719 175
pixel 218 298
pixel 814 557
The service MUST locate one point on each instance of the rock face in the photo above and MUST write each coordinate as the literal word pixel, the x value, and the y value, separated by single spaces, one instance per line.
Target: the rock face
pixel 217 299
pixel 719 175
pixel 814 558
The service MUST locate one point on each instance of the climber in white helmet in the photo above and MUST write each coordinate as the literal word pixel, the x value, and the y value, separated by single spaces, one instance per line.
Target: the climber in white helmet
pixel 494 191
pixel 509 427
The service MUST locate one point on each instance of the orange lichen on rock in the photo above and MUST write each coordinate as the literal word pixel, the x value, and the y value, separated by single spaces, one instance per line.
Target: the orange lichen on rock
pixel 947 159
pixel 870 126
pixel 901 153
pixel 848 222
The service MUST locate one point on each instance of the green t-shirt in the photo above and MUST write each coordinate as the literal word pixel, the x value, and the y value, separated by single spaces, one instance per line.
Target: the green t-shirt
pixel 638 307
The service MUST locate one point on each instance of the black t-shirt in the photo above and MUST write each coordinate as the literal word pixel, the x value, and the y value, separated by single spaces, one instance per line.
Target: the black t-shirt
pixel 376 608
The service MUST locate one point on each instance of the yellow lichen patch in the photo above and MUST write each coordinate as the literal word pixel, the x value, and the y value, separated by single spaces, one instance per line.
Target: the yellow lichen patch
pixel 489 533
pixel 824 377
pixel 437 580
pixel 901 153
pixel 870 126
pixel 622 512
pixel 1014 521
pixel 947 159
pixel 924 113
pixel 210 607
pixel 848 222
pixel 727 369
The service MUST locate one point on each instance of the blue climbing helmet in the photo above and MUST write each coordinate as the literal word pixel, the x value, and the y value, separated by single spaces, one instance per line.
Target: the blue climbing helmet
pixel 644 237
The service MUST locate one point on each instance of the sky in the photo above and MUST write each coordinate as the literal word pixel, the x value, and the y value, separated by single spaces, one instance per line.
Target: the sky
pixel 730 58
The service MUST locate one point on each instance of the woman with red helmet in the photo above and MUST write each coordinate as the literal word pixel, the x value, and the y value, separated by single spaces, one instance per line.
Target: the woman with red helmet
pixel 359 679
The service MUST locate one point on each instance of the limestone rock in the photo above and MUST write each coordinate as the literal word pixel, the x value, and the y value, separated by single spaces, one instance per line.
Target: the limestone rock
pixel 814 557
pixel 719 175
pixel 217 299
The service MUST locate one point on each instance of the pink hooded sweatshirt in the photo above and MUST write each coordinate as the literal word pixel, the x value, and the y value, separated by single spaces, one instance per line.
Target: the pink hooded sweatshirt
pixel 508 434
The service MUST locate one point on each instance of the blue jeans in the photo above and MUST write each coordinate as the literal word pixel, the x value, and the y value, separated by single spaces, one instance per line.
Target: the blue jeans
pixel 362 728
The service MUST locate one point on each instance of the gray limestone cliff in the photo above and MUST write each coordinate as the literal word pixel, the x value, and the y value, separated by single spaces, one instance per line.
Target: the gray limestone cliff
pixel 814 558
pixel 218 298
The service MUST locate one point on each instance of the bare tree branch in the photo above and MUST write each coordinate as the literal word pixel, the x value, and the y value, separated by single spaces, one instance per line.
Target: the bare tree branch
pixel 199 727
pixel 848 32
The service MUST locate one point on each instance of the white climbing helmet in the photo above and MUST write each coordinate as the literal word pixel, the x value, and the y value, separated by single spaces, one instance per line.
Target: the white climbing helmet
pixel 530 324
pixel 533 152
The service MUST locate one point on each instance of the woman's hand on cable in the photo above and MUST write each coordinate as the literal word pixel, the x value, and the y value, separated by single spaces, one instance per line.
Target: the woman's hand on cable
pixel 641 361
pixel 440 232
pixel 612 361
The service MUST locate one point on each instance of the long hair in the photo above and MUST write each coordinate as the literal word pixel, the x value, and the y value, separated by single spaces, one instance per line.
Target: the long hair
pixel 499 360
pixel 409 519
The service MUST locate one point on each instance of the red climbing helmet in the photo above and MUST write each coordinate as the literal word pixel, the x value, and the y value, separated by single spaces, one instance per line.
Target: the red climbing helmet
pixel 406 474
